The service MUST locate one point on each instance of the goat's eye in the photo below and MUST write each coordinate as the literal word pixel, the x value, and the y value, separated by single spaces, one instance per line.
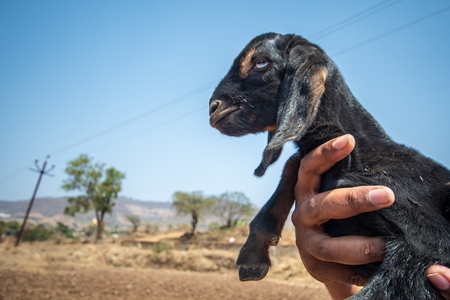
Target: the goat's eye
pixel 261 63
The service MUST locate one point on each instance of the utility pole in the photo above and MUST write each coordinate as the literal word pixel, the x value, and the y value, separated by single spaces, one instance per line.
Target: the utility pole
pixel 41 172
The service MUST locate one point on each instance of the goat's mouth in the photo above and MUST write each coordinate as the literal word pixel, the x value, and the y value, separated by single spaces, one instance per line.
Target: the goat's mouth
pixel 218 115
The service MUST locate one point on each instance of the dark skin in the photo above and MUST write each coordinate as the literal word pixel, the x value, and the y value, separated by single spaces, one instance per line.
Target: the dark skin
pixel 327 259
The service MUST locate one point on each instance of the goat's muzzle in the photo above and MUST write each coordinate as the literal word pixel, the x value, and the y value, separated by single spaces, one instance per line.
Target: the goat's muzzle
pixel 213 106
pixel 218 111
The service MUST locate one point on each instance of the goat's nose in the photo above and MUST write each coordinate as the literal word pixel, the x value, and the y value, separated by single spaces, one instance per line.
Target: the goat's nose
pixel 213 106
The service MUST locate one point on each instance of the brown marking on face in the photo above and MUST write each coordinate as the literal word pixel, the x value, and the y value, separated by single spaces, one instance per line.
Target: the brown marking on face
pixel 246 63
pixel 317 87
pixel 317 83
pixel 270 128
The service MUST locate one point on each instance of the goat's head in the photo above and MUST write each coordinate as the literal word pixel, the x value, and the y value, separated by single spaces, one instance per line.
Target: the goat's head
pixel 274 85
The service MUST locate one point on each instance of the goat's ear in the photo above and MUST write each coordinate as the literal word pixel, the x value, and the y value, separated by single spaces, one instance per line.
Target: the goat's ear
pixel 299 99
pixel 269 157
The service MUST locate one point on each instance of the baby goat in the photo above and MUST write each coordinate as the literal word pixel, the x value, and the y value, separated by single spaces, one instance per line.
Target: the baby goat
pixel 289 87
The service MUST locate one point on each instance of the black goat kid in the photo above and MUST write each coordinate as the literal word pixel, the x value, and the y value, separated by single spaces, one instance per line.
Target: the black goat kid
pixel 289 87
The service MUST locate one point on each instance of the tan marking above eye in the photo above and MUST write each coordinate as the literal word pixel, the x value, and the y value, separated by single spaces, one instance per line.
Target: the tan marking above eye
pixel 246 63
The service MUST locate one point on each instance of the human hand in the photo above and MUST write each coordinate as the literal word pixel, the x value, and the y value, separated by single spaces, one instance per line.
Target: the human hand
pixel 439 277
pixel 327 259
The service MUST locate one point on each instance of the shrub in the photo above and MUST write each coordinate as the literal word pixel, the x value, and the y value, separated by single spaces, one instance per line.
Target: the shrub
pixel 64 230
pixel 152 228
pixel 39 232
pixel 162 247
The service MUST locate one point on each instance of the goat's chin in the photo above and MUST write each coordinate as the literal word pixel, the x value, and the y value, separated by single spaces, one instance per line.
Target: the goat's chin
pixel 235 129
pixel 232 131
pixel 231 125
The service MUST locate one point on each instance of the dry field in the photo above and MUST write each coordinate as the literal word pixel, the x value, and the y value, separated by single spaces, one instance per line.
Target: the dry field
pixel 155 268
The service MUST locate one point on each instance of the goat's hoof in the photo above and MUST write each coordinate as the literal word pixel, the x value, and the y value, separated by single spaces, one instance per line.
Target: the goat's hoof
pixel 254 273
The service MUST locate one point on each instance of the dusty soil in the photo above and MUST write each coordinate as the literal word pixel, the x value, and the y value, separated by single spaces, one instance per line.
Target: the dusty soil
pixel 113 271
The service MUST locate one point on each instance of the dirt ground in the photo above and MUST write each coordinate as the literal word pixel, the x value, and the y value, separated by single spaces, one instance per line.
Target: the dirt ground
pixel 113 271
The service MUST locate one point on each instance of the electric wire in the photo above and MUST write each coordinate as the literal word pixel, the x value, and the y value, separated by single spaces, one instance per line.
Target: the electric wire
pixel 140 116
pixel 318 35
pixel 5 179
pixel 392 31
pixel 327 31
pixel 150 128
pixel 353 19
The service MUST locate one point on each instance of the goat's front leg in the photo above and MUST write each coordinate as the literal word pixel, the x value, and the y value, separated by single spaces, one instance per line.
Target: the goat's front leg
pixel 265 229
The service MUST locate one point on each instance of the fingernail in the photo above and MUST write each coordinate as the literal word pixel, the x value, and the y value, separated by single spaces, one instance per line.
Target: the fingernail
pixel 341 142
pixel 439 281
pixel 380 196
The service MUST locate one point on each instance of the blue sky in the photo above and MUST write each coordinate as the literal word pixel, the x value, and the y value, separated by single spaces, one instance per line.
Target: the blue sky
pixel 128 83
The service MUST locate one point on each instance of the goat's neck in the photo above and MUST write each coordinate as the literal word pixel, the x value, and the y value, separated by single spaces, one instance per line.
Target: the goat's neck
pixel 340 113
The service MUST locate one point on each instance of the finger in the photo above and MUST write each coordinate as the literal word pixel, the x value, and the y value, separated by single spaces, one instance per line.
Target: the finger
pixel 439 277
pixel 342 203
pixel 330 271
pixel 347 250
pixel 319 160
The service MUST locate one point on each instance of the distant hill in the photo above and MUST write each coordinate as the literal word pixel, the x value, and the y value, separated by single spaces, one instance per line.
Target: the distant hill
pixel 51 211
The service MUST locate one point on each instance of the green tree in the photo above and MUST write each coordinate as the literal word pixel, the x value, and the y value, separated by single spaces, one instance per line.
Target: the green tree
pixel 231 207
pixel 193 204
pixel 97 194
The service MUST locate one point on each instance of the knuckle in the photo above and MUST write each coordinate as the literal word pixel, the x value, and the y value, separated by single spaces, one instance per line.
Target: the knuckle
pixel 372 252
pixel 353 200
pixel 304 168
pixel 312 209
pixel 308 165
pixel 325 251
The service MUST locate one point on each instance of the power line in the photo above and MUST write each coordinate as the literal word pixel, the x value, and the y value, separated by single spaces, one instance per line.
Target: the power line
pixel 140 116
pixel 327 31
pixel 125 138
pixel 324 32
pixel 385 34
pixel 353 19
pixel 151 128
pixel 156 109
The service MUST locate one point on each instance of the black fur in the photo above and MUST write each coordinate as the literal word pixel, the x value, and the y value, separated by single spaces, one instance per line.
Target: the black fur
pixel 288 86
